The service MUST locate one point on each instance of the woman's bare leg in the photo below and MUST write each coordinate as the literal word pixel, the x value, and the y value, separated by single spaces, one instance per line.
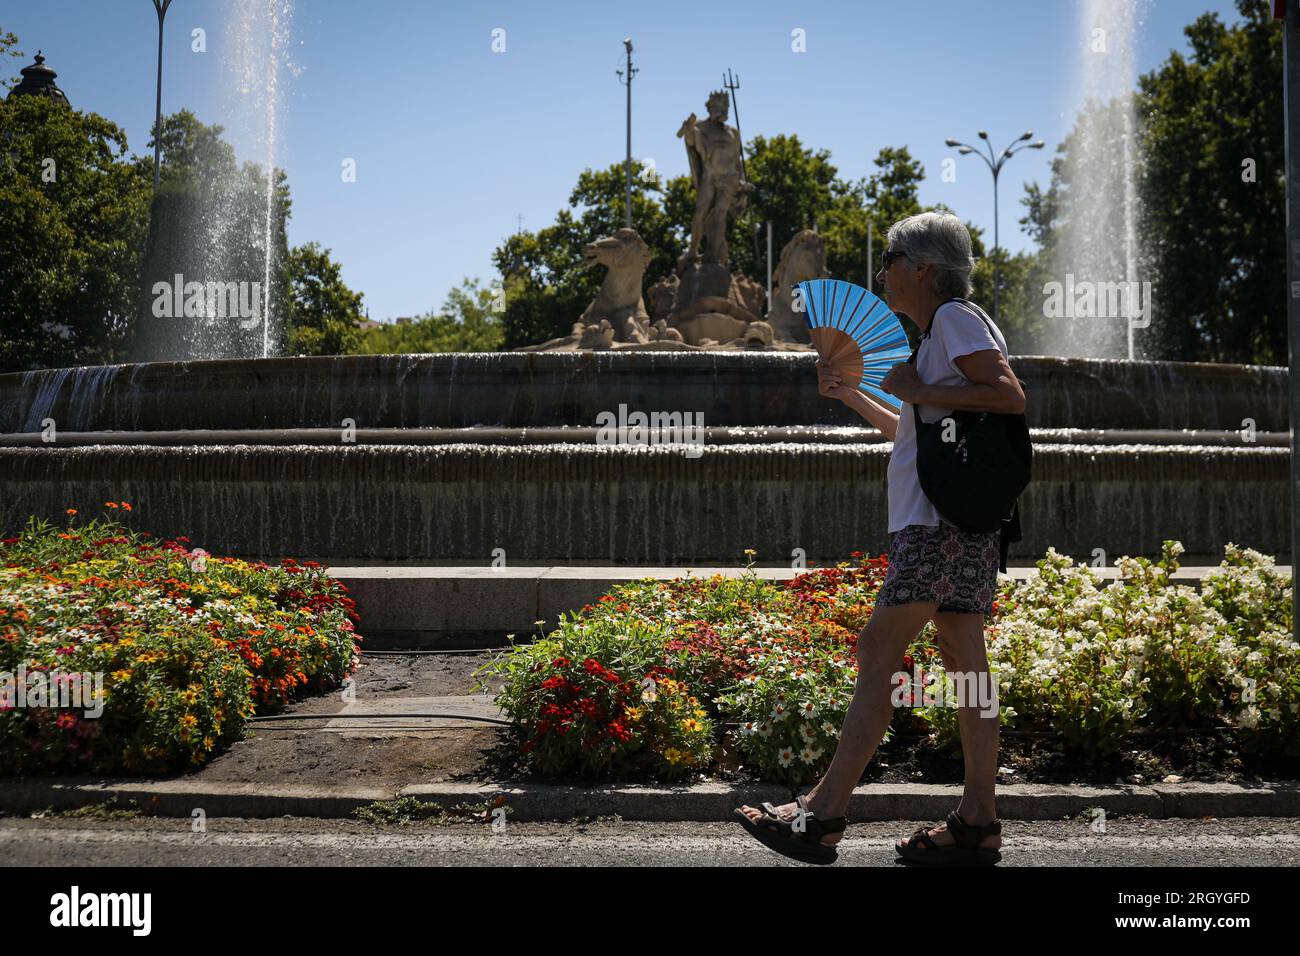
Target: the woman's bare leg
pixel 881 647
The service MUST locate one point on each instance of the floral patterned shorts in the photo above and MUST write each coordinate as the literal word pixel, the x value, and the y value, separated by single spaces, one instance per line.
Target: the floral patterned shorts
pixel 941 563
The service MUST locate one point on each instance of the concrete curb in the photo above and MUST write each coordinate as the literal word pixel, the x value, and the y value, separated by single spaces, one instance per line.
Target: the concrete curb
pixel 703 802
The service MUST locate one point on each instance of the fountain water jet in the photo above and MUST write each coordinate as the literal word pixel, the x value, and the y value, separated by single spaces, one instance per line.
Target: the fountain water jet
pixel 1101 207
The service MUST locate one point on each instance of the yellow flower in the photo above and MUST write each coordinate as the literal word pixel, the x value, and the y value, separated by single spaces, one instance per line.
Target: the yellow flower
pixel 121 675
pixel 691 725
pixel 699 712
pixel 672 755
pixel 189 721
pixel 208 743
pixel 634 713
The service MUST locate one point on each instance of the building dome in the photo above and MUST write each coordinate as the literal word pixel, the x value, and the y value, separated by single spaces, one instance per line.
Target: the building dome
pixel 38 80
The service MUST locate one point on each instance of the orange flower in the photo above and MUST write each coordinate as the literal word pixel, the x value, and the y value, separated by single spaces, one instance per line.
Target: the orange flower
pixel 126 506
pixel 110 504
pixel 71 511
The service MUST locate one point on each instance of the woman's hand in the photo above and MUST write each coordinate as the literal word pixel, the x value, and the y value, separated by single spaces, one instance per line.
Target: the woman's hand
pixel 903 383
pixel 829 384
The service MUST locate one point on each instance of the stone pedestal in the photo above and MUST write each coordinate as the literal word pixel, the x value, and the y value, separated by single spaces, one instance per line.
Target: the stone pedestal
pixel 708 287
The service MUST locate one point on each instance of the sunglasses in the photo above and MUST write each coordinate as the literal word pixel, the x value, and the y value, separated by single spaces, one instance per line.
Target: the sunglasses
pixel 889 256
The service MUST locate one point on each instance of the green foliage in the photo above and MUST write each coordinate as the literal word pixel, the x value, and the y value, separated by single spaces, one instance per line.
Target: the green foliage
pixel 73 215
pixel 323 311
pixel 1218 240
pixel 182 647
pixel 596 699
pixel 548 283
pixel 469 322
pixel 792 188
pixel 776 665
pixel 8 42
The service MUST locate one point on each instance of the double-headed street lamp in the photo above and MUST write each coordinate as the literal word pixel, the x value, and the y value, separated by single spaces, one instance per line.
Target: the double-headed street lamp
pixel 995 164
pixel 161 6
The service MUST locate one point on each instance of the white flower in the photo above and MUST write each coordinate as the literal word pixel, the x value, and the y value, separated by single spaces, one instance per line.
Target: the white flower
pixel 810 753
pixel 829 728
pixel 749 727
pixel 808 710
pixel 786 756
pixel 765 729
pixel 807 733
pixel 1249 719
pixel 779 712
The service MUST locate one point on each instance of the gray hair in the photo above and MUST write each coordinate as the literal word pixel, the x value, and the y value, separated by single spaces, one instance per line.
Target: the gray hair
pixel 941 240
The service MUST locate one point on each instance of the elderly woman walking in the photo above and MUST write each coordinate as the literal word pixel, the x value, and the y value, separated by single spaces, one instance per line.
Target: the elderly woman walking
pixel 936 571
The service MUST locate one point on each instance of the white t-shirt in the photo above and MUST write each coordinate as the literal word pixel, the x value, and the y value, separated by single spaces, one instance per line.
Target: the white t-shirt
pixel 956 330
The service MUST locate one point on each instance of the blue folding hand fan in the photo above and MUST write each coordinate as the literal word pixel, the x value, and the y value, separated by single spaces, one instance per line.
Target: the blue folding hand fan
pixel 855 334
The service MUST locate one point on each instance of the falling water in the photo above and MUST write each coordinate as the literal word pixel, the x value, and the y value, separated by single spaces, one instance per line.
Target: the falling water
pixel 259 33
pixel 1099 263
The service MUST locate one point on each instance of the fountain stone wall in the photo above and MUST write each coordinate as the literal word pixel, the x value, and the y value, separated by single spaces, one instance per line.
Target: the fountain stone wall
pixel 546 499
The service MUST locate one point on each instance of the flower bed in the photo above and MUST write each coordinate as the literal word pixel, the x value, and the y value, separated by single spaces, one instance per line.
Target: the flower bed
pixel 183 647
pixel 767 670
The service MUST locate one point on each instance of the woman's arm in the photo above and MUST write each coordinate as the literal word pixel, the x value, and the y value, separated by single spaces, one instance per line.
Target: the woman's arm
pixel 886 419
pixel 994 387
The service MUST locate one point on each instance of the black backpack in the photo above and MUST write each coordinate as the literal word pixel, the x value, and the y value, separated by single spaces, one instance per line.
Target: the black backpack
pixel 975 480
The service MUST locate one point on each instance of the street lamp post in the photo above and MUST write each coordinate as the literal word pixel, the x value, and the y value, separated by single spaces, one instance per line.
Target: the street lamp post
pixel 627 45
pixel 995 164
pixel 161 6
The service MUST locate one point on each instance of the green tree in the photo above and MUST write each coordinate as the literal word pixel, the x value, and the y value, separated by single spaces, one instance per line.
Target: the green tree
pixel 1215 192
pixel 548 282
pixel 73 215
pixel 468 322
pixel 323 311
pixel 890 193
pixel 793 189
pixel 7 44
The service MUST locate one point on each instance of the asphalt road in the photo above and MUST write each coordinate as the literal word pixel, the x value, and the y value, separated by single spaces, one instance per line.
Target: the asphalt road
pixel 1127 842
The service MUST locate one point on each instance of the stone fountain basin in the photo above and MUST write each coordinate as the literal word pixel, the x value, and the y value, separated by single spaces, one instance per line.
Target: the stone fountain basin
pixel 553 389
pixel 457 456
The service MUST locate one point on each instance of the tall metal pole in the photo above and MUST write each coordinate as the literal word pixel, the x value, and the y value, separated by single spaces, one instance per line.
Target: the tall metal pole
pixel 161 6
pixel 627 217
pixel 769 265
pixel 1291 109
pixel 871 261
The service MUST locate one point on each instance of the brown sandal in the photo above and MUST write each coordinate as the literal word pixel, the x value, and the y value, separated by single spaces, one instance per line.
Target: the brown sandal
pixel 965 850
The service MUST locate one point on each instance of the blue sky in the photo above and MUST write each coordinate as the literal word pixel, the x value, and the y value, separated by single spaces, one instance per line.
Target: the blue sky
pixel 453 141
